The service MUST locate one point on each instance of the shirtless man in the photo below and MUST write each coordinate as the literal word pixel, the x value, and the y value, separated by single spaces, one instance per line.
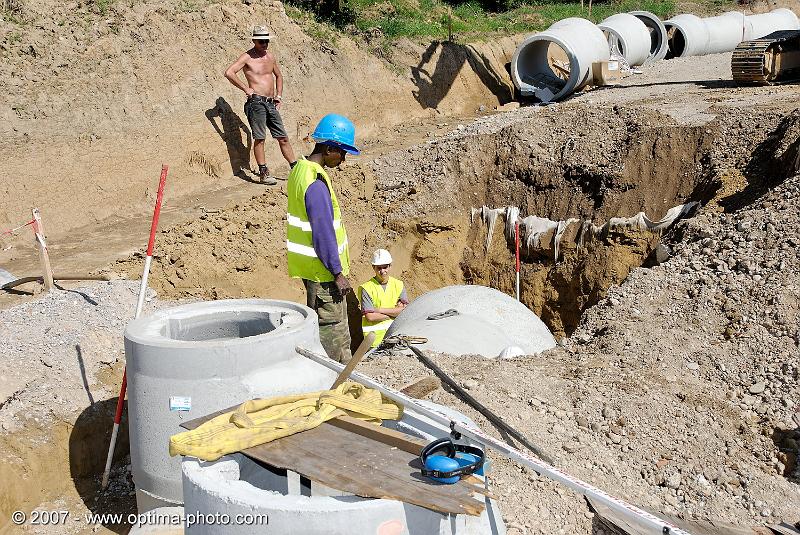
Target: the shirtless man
pixel 263 75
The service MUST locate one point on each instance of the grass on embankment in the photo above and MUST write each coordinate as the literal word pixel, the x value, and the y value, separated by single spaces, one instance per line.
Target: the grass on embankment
pixel 435 19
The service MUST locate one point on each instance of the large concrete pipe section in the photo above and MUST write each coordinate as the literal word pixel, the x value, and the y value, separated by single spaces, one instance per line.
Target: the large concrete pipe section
pixel 687 35
pixel 628 37
pixel 658 35
pixel 766 23
pixel 725 31
pixel 558 61
pixel 487 322
pixel 192 360
pixel 237 486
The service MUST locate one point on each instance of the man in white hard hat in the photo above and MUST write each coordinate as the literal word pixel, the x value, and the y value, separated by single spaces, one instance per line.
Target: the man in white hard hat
pixel 382 297
pixel 264 92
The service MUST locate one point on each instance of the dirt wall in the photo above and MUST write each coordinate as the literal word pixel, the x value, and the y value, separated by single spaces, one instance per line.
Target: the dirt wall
pixel 92 103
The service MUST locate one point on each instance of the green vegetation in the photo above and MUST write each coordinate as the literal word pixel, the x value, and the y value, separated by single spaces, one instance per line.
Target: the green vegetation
pixel 468 20
pixel 189 6
pixel 11 11
pixel 316 27
pixel 103 6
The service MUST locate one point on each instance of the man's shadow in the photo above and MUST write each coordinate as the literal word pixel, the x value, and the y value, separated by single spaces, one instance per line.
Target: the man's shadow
pixel 432 88
pixel 235 134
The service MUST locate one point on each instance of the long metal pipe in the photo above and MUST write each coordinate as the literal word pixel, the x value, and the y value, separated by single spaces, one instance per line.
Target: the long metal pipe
pixel 648 522
pixel 478 406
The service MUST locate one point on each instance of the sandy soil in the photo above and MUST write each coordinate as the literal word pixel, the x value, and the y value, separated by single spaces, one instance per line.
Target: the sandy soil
pixel 680 131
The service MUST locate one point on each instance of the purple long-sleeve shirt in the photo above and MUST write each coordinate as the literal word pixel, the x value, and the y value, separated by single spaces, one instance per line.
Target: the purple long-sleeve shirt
pixel 320 214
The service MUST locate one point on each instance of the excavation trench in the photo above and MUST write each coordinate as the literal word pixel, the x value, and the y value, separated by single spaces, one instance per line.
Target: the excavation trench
pixel 649 170
pixel 579 162
pixel 432 205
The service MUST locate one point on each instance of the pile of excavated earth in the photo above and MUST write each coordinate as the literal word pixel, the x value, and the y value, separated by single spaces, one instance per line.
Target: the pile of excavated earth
pixel 679 390
pixel 675 381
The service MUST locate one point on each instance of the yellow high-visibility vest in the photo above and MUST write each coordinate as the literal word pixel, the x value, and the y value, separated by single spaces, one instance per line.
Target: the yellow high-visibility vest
pixel 380 299
pixel 300 255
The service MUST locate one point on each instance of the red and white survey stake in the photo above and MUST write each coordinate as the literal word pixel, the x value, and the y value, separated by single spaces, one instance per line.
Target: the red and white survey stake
pixel 139 304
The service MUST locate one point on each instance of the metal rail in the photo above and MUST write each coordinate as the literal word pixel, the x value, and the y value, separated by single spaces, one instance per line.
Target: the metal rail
pixel 647 521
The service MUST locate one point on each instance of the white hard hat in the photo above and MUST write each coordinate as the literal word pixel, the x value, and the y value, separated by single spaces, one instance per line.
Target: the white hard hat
pixel 381 257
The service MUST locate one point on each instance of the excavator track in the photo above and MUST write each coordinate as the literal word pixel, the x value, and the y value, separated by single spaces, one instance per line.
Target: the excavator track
pixel 772 59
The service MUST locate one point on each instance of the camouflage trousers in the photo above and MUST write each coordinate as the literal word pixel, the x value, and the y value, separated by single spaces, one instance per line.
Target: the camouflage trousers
pixel 334 333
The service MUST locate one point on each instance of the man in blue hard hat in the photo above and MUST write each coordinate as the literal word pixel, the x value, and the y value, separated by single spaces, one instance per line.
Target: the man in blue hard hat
pixel 316 240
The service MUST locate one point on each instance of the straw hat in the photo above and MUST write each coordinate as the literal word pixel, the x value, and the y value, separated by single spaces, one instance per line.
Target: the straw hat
pixel 262 33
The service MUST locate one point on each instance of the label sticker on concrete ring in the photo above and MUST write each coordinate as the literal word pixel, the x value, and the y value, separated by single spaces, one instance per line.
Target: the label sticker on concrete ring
pixel 180 403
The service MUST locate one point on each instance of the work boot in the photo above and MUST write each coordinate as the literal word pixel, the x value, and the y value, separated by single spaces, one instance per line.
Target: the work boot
pixel 264 176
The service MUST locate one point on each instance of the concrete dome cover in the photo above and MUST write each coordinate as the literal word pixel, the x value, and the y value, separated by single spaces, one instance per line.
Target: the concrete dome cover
pixel 487 317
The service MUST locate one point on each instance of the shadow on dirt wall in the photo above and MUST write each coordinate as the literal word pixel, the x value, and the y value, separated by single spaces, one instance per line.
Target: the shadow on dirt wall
pixel 432 88
pixel 235 133
pixel 774 160
pixel 88 447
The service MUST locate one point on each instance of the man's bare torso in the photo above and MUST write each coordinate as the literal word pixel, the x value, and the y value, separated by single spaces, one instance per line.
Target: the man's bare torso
pixel 260 73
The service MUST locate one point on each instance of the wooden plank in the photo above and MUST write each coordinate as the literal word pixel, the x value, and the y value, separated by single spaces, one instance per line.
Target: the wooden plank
pixel 41 244
pixel 395 439
pixel 362 463
pixel 421 387
pixel 345 461
pixel 344 375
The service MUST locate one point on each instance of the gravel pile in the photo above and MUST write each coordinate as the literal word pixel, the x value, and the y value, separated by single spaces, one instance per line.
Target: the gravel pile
pixel 678 392
pixel 61 352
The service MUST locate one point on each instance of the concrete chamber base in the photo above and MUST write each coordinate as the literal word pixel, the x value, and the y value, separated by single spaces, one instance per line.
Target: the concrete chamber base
pixel 239 488
pixel 189 361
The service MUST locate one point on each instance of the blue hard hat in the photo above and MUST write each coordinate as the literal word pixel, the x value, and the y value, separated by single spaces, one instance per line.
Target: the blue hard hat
pixel 338 131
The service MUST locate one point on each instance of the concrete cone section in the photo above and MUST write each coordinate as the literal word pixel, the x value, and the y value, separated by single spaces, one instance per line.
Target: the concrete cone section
pixel 192 360
pixel 487 322
pixel 238 487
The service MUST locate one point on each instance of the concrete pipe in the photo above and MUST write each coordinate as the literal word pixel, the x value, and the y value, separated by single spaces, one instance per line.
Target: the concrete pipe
pixel 628 37
pixel 658 35
pixel 766 23
pixel 236 485
pixel 558 61
pixel 687 35
pixel 488 323
pixel 192 360
pixel 725 31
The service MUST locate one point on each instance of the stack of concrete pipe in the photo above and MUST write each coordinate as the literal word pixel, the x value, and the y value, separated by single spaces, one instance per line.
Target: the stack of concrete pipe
pixel 553 64
pixel 558 61
pixel 689 35
pixel 638 37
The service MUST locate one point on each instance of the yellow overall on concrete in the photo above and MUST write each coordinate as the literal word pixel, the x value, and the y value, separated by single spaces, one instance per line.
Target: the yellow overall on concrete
pixel 381 299
pixel 300 254
pixel 263 420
